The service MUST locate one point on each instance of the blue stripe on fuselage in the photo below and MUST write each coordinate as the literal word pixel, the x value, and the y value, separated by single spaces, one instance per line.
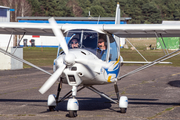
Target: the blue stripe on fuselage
pixel 115 70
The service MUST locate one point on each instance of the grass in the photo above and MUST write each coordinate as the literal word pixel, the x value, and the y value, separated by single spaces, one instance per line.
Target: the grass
pixel 150 55
pixel 45 56
pixel 39 56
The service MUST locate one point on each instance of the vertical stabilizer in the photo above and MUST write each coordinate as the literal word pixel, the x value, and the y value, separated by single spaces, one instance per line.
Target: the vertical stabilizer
pixel 118 14
pixel 117 21
pixel 120 41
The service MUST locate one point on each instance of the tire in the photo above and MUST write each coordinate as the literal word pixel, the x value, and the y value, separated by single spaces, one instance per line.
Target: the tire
pixel 123 110
pixel 72 113
pixel 51 108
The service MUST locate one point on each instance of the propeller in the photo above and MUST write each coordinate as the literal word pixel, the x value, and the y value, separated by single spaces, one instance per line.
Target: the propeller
pixel 52 79
pixel 59 35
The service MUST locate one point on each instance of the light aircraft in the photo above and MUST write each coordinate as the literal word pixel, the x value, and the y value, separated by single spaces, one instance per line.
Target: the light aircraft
pixel 84 67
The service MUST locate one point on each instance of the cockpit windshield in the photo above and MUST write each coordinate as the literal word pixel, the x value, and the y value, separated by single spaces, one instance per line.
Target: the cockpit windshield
pixel 82 39
pixel 101 45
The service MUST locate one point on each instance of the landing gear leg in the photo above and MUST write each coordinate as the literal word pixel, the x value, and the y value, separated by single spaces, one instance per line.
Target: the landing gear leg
pixel 116 90
pixel 59 90
pixel 123 100
pixel 53 99
pixel 73 105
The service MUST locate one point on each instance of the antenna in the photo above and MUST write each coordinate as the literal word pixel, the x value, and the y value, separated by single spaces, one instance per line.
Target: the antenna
pixel 98 19
pixel 89 14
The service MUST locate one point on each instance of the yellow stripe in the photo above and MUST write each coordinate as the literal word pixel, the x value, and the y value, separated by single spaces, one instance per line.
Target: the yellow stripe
pixel 109 78
pixel 117 61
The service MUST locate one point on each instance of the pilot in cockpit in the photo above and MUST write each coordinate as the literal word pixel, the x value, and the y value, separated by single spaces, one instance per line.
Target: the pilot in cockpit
pixel 102 47
pixel 74 43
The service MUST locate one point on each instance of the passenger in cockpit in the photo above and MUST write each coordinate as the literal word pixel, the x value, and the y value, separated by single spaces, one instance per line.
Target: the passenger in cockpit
pixel 74 43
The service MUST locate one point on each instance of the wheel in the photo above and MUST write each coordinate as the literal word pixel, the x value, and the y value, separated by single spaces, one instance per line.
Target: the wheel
pixel 123 110
pixel 123 104
pixel 72 113
pixel 51 108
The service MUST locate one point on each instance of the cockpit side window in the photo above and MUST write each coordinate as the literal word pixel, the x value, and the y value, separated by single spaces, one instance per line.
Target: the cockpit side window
pixel 113 56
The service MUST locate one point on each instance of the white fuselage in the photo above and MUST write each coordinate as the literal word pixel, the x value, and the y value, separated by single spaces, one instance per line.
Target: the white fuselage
pixel 88 69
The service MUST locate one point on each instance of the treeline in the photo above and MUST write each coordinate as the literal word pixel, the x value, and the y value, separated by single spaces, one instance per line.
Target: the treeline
pixel 141 11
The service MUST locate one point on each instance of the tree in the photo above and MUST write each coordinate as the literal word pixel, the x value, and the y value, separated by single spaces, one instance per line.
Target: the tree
pixel 22 8
pixel 36 7
pixel 85 7
pixel 76 9
pixel 97 10
pixel 151 13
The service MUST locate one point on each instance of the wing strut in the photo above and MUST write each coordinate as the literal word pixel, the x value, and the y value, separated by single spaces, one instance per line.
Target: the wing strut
pixel 9 41
pixel 160 42
pixel 136 50
pixel 100 93
pixel 164 43
pixel 19 42
pixel 24 61
pixel 175 53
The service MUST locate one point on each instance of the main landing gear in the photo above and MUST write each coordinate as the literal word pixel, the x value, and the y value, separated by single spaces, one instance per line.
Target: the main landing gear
pixel 73 105
pixel 123 100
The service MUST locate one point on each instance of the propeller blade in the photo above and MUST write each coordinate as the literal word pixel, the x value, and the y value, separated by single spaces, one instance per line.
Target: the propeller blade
pixel 52 79
pixel 59 35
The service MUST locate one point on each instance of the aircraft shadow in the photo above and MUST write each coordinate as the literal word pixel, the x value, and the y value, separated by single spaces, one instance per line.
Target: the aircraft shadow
pixel 175 83
pixel 87 104
pixel 21 100
pixel 140 101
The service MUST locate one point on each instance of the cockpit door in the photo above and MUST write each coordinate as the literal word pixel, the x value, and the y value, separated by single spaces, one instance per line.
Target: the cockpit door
pixel 113 58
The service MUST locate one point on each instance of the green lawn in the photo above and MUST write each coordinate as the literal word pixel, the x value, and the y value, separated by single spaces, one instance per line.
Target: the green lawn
pixel 150 55
pixel 141 44
pixel 39 56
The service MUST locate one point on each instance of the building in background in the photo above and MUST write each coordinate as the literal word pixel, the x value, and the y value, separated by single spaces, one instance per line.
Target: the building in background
pixel 7 62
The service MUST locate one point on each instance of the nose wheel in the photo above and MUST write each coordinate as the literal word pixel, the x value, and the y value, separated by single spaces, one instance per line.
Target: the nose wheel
pixel 73 105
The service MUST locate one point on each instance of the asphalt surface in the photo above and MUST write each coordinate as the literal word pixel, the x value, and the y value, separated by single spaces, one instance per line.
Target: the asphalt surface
pixel 153 93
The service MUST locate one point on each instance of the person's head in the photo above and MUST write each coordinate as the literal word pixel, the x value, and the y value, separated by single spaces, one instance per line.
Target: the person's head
pixel 74 43
pixel 101 44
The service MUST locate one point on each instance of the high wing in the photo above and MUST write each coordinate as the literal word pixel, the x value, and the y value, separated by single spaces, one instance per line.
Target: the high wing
pixel 144 30
pixel 121 30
